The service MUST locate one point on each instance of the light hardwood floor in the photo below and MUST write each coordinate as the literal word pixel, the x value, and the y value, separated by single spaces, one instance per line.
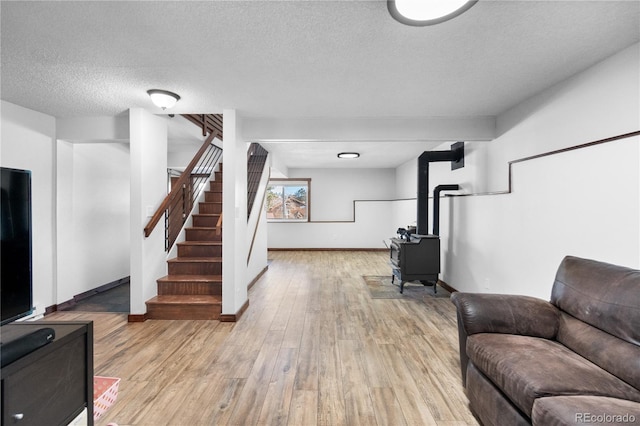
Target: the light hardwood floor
pixel 313 348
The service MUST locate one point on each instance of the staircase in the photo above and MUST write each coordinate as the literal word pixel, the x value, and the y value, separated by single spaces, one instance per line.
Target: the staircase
pixel 192 289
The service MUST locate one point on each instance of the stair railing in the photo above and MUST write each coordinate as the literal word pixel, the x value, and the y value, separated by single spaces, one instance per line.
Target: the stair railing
pixel 209 123
pixel 177 205
pixel 256 158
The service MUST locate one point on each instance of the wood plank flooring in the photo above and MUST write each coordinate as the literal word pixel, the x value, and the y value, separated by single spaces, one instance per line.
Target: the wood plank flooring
pixel 313 348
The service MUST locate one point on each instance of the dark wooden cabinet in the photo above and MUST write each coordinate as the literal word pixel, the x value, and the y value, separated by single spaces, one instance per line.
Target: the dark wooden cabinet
pixel 53 384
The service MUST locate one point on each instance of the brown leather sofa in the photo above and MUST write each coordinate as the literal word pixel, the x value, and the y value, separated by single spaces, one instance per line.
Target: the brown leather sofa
pixel 573 360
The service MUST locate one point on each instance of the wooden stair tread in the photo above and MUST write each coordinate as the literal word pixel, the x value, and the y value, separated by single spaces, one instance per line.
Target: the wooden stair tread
pixel 195 259
pixel 204 228
pixel 200 243
pixel 208 228
pixel 191 278
pixel 177 299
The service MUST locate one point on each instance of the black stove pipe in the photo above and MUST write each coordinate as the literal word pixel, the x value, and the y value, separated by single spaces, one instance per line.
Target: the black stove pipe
pixel 456 154
pixel 436 204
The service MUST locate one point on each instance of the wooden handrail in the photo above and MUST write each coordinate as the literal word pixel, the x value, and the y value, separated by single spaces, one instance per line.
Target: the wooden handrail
pixel 177 187
pixel 255 230
pixel 219 225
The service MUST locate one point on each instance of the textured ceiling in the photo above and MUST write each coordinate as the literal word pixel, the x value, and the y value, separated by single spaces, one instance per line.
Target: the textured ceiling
pixel 299 58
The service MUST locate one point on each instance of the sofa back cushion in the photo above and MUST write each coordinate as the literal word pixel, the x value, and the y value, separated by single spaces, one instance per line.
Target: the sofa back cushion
pixel 620 358
pixel 601 319
pixel 603 295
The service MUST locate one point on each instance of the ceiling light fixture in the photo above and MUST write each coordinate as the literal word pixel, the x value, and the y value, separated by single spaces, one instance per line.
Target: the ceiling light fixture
pixel 427 12
pixel 348 155
pixel 163 98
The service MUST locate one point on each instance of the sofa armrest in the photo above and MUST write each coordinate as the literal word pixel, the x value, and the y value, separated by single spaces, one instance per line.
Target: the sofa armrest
pixel 508 314
pixel 502 313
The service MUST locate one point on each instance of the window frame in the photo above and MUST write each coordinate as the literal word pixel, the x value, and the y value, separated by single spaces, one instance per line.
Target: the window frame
pixel 292 182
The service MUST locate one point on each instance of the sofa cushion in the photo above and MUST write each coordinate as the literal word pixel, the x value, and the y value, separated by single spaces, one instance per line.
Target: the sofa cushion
pixel 603 295
pixel 620 358
pixel 489 404
pixel 526 368
pixel 584 409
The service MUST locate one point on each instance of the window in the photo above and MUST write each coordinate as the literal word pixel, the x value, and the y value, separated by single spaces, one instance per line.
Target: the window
pixel 288 200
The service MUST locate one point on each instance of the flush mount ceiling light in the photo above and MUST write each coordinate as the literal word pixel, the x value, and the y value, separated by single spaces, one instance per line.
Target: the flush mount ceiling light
pixel 163 98
pixel 427 12
pixel 348 155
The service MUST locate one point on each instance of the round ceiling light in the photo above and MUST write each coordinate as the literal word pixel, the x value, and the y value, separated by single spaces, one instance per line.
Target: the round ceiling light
pixel 163 98
pixel 348 155
pixel 427 12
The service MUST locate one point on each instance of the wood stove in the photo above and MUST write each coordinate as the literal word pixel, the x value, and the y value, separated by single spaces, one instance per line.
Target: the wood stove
pixel 415 255
pixel 416 259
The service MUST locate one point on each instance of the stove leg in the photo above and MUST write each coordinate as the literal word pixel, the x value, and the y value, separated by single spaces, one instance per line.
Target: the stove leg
pixel 401 286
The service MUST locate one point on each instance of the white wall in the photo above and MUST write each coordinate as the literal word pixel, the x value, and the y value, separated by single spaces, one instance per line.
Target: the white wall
pixel 334 190
pixel 94 129
pixel 92 186
pixel 332 195
pixel 93 235
pixel 180 159
pixel 372 229
pixel 28 142
pixel 584 203
pixel 185 139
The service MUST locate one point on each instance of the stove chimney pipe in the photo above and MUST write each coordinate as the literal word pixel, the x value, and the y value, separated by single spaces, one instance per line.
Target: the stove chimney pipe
pixel 456 157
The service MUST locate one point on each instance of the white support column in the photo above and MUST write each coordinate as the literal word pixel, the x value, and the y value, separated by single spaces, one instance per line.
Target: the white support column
pixel 65 248
pixel 148 138
pixel 234 222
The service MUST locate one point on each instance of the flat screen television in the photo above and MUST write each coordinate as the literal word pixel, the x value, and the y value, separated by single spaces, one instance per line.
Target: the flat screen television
pixel 15 251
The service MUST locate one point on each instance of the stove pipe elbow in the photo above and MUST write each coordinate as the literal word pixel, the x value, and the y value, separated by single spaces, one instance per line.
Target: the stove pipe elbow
pixel 436 204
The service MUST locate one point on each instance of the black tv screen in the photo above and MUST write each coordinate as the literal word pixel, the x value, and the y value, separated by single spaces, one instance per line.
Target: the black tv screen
pixel 15 251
